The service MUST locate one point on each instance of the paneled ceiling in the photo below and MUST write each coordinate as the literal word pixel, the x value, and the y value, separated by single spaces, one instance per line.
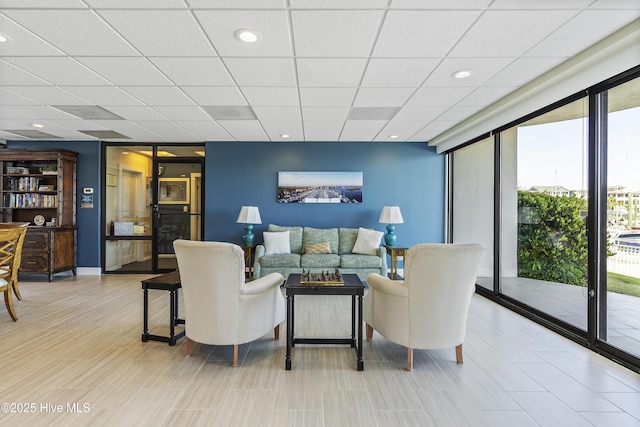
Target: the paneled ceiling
pixel 320 70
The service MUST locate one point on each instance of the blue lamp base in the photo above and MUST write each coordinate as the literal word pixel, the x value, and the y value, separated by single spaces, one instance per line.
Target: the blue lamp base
pixel 390 237
pixel 248 237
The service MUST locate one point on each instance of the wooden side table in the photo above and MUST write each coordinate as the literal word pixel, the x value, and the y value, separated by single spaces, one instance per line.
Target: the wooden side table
pixel 166 282
pixel 395 252
pixel 248 260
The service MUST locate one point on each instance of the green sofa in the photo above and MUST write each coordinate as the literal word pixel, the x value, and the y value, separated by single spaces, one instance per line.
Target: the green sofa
pixel 341 241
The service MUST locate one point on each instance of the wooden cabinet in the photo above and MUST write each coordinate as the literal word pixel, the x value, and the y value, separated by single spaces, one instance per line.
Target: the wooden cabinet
pixel 38 186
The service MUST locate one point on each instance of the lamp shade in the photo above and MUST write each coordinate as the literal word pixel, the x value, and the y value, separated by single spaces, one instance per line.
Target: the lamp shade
pixel 249 215
pixel 391 215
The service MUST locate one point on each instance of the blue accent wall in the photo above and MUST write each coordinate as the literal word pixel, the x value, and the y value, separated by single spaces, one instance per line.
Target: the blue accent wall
pixel 87 175
pixel 409 175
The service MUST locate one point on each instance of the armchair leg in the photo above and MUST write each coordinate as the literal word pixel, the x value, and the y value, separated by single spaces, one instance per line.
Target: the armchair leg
pixel 459 353
pixel 369 332
pixel 14 285
pixel 235 355
pixel 276 332
pixel 409 359
pixel 188 348
pixel 8 301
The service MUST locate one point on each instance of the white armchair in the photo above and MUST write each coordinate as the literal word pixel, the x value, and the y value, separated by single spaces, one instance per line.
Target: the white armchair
pixel 220 307
pixel 429 309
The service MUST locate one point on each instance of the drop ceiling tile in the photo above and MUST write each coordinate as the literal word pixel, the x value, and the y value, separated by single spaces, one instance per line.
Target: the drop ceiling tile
pixel 438 96
pixel 31 4
pixel 398 72
pixel 457 113
pixel 274 72
pixel 271 26
pixel 572 38
pixel 136 4
pixel 540 4
pixel 23 42
pixel 160 32
pixel 244 130
pixel 15 76
pixel 9 97
pixel 194 71
pixel 335 33
pixel 327 97
pixel 509 33
pixel 422 33
pixel 134 131
pixel 322 130
pixel 103 95
pixel 276 128
pixel 168 130
pixel 136 112
pixel 401 128
pixel 326 113
pixel 423 136
pixel 382 97
pixel 338 4
pixel 206 130
pixel 361 130
pixel 75 32
pixel 330 72
pixel 207 95
pixel 159 95
pixel 485 96
pixel 277 113
pixel 523 70
pixel 182 113
pixel 618 4
pixel 41 112
pixel 12 114
pixel 60 71
pixel 482 69
pixel 126 71
pixel 271 96
pixel 439 4
pixel 237 4
pixel 424 114
pixel 48 95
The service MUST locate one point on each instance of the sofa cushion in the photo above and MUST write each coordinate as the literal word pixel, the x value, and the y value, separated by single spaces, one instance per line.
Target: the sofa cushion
pixel 295 236
pixel 318 235
pixel 323 261
pixel 360 261
pixel 367 242
pixel 276 242
pixel 318 248
pixel 348 238
pixel 281 260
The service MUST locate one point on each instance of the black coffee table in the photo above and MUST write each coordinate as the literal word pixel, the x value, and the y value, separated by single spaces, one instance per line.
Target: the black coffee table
pixel 352 286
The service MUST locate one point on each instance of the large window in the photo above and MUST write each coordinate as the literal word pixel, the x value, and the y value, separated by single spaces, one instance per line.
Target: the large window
pixel 622 328
pixel 544 206
pixel 472 195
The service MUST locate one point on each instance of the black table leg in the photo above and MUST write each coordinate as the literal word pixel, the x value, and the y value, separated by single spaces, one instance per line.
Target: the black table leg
pixel 172 317
pixel 287 361
pixel 359 353
pixel 353 321
pixel 145 316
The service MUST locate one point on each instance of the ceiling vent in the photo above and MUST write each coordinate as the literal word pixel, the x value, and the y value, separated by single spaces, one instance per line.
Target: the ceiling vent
pixel 373 113
pixel 88 112
pixel 230 113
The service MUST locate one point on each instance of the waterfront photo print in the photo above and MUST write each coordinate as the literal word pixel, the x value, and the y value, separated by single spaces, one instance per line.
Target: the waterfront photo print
pixel 320 187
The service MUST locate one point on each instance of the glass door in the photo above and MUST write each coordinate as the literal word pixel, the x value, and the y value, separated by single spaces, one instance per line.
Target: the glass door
pixel 152 196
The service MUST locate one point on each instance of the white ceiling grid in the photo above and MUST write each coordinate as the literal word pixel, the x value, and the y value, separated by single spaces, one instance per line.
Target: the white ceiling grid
pixel 321 70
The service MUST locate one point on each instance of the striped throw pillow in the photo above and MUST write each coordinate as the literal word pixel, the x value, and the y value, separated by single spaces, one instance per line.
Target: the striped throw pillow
pixel 318 248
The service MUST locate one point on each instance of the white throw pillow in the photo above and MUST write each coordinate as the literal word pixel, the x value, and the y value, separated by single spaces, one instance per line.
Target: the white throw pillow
pixel 367 242
pixel 276 242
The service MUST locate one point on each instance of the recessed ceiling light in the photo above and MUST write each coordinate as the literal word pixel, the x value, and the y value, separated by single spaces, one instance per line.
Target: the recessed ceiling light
pixel 284 135
pixel 3 38
pixel 246 36
pixel 461 74
pixel 37 125
pixel 393 136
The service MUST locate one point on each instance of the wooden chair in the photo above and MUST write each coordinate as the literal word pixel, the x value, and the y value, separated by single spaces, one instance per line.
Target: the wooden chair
pixel 11 240
pixel 14 283
pixel 429 309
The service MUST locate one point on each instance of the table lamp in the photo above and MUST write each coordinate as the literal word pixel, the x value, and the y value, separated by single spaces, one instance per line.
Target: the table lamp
pixel 390 215
pixel 249 215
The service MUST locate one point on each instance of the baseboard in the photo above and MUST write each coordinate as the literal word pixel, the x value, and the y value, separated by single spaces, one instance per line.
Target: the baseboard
pixel 88 271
